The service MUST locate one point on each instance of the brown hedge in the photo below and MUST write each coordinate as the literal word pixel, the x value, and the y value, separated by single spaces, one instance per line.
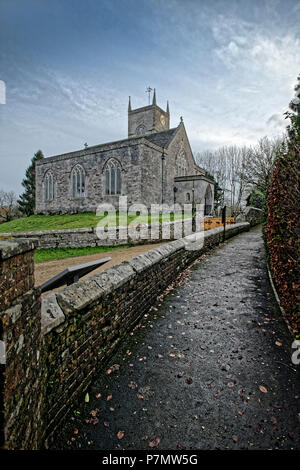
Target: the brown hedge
pixel 283 231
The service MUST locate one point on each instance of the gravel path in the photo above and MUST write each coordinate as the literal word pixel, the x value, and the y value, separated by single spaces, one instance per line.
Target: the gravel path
pixel 45 270
pixel 209 367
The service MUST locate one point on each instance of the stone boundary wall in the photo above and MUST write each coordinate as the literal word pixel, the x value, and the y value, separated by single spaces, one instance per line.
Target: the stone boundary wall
pixel 59 348
pixel 253 215
pixel 83 237
pixel 21 368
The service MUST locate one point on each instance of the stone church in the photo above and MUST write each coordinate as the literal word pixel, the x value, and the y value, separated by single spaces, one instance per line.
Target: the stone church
pixel 154 165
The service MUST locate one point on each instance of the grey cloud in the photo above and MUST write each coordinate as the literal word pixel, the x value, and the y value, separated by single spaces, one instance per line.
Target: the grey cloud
pixel 276 120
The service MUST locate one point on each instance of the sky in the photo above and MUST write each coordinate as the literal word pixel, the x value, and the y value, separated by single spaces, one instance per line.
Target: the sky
pixel 228 67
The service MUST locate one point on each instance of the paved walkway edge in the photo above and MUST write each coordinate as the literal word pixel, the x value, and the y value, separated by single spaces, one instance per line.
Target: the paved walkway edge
pixel 293 333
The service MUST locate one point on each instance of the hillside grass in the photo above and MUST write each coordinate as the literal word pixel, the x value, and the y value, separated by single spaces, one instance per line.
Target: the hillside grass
pixel 48 254
pixel 35 223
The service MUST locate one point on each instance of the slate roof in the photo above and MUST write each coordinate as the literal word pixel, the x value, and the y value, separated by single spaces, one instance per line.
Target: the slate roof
pixel 163 139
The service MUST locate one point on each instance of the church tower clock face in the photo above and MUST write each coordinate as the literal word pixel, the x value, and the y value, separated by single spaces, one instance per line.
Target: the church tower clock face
pixel 162 119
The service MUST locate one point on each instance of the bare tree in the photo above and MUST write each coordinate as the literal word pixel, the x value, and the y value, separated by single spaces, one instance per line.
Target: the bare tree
pixel 261 160
pixel 228 166
pixel 8 205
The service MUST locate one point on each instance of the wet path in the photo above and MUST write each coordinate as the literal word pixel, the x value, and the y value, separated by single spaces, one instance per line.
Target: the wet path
pixel 209 367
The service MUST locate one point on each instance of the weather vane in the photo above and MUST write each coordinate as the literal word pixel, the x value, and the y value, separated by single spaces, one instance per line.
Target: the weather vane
pixel 148 90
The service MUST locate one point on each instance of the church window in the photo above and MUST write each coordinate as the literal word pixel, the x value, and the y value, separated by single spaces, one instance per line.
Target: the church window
pixel 188 197
pixel 49 186
pixel 208 201
pixel 113 177
pixel 181 162
pixel 78 181
pixel 140 130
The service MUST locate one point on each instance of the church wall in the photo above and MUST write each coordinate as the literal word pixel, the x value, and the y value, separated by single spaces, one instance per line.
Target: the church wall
pixel 151 176
pixel 158 125
pixel 186 187
pixel 180 140
pixel 93 164
pixel 141 174
pixel 136 119
pixel 149 118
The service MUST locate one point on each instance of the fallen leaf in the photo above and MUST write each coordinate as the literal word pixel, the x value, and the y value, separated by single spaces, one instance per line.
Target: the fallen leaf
pixel 278 343
pixel 263 389
pixel 234 438
pixel 75 431
pixel 120 434
pixel 258 429
pixel 111 409
pixel 106 424
pixel 87 398
pixel 189 380
pixel 140 397
pixel 132 385
pixel 230 384
pixel 109 397
pixel 98 395
pixel 155 442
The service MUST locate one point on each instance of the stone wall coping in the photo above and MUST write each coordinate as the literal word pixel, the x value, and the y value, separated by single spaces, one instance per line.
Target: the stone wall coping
pixel 51 313
pixel 11 247
pixel 38 233
pixel 48 232
pixel 87 291
pixel 250 208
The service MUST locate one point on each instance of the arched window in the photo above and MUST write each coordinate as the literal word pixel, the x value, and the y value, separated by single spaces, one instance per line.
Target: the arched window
pixel 208 201
pixel 140 130
pixel 78 181
pixel 49 186
pixel 113 177
pixel 181 162
pixel 188 197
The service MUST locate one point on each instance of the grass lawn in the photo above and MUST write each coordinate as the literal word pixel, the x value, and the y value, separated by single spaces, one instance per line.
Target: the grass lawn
pixel 46 254
pixel 35 223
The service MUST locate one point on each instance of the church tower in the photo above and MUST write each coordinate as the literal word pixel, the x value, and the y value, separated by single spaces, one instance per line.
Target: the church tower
pixel 148 119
